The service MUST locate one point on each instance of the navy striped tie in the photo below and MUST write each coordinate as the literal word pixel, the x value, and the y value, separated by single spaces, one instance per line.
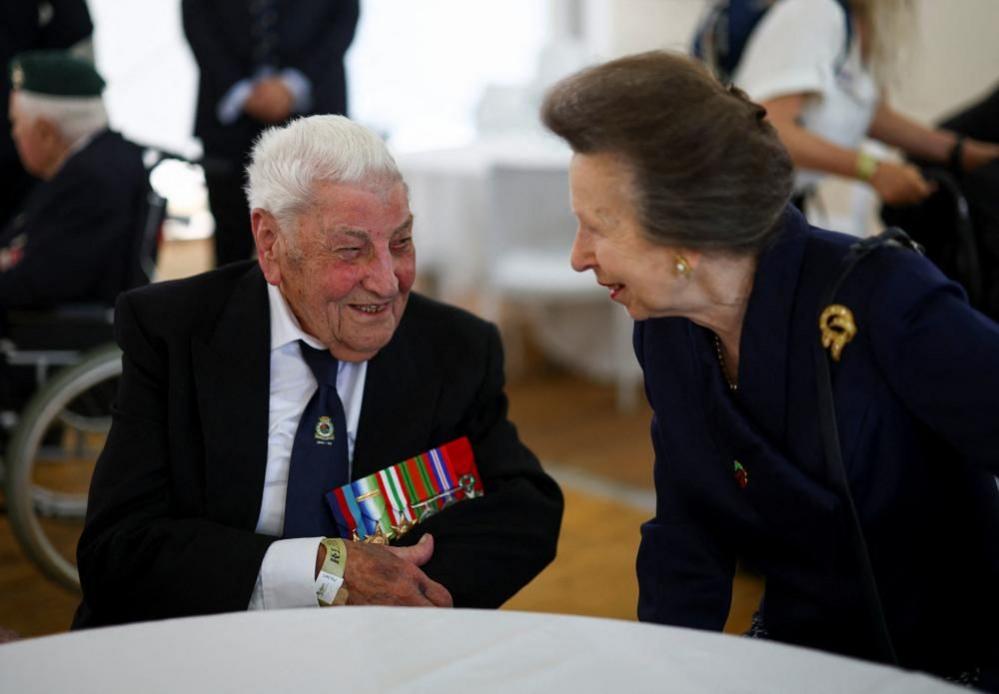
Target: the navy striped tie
pixel 264 32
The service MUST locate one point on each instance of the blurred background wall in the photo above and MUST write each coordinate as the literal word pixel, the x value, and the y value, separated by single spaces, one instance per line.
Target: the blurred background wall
pixel 418 68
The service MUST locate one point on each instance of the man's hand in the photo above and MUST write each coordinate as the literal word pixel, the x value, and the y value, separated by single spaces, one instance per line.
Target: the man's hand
pixel 270 101
pixel 383 575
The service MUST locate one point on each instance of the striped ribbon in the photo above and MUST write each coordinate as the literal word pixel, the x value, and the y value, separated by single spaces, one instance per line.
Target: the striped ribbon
pixel 388 503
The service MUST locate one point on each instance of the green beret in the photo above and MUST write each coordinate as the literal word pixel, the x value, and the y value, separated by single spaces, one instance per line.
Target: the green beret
pixel 55 73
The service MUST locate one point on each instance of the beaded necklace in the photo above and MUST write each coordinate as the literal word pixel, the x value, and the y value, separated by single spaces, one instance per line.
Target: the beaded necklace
pixel 721 361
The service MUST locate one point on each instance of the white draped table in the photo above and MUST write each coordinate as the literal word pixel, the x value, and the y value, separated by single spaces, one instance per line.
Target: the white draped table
pixel 450 194
pixel 449 197
pixel 367 649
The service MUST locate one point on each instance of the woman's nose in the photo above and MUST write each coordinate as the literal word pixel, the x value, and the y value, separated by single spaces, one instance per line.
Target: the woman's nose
pixel 581 257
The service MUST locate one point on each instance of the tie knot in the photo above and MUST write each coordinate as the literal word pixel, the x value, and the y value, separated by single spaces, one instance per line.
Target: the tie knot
pixel 321 362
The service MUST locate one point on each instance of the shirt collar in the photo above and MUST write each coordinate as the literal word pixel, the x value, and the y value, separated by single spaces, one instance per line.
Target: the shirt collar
pixel 285 327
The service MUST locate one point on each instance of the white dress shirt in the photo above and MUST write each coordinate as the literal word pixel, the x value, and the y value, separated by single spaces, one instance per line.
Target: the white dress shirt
pixel 287 574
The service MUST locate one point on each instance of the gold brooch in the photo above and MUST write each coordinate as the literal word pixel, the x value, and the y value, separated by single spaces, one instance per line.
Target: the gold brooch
pixel 838 328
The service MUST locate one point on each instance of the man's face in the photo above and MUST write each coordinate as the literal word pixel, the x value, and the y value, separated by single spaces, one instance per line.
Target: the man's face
pixel 33 140
pixel 347 265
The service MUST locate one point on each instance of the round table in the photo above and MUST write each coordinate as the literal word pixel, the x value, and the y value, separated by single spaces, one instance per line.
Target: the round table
pixel 379 649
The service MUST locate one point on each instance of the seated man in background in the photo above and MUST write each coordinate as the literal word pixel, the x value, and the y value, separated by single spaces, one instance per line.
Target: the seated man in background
pixel 211 494
pixel 72 240
pixel 33 25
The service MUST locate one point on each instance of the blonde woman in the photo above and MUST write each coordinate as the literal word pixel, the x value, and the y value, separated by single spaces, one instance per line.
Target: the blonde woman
pixel 819 68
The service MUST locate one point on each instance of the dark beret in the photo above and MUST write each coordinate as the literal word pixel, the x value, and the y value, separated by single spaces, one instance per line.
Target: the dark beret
pixel 55 73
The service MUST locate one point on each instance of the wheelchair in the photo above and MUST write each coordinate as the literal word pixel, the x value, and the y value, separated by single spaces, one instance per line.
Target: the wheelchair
pixel 943 225
pixel 53 444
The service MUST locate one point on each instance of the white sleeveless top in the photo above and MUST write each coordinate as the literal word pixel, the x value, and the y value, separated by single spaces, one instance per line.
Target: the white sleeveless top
pixel 797 48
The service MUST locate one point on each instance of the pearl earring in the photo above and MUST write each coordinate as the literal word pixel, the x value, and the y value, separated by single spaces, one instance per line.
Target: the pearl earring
pixel 682 266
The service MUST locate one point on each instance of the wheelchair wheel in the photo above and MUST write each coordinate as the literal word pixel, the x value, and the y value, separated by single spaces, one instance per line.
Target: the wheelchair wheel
pixel 51 458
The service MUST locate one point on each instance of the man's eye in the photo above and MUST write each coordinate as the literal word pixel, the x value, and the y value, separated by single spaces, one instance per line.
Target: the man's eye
pixel 403 243
pixel 348 252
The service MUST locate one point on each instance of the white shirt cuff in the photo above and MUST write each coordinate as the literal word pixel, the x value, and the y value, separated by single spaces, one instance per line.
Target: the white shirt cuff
pixel 301 89
pixel 287 575
pixel 231 105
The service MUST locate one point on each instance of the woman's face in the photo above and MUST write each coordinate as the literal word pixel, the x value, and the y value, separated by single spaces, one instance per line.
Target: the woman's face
pixel 639 274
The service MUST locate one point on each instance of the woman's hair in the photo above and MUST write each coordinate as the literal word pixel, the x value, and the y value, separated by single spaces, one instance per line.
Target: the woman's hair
pixel 708 171
pixel 287 162
pixel 75 117
pixel 889 26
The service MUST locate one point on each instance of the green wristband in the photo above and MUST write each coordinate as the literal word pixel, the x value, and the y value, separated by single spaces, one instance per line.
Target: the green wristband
pixel 867 164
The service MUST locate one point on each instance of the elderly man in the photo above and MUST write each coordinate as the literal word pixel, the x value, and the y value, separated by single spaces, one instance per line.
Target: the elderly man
pixel 32 25
pixel 72 240
pixel 207 497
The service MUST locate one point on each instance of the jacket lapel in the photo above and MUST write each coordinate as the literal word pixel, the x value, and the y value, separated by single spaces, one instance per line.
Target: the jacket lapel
pixel 765 343
pixel 232 375
pixel 400 396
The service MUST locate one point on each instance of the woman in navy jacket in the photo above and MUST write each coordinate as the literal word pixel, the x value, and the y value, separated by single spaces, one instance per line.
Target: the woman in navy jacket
pixel 681 188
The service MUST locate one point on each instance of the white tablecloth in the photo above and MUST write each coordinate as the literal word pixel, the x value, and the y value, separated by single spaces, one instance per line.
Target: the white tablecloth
pixel 367 649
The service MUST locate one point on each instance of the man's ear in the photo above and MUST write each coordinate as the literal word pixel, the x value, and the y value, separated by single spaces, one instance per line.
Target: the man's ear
pixel 53 146
pixel 267 236
pixel 47 132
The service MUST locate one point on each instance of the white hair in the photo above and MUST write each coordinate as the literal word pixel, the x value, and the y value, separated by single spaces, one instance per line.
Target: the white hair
pixel 75 117
pixel 287 162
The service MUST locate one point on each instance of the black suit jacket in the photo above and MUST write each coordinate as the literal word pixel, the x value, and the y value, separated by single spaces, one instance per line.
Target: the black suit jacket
pixel 313 36
pixel 76 232
pixel 176 494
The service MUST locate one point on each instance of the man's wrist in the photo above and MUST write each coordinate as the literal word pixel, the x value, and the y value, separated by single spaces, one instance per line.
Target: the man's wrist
pixel 329 580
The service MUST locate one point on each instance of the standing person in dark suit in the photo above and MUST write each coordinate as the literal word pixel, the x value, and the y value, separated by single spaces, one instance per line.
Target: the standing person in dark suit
pixel 681 187
pixel 261 62
pixel 72 241
pixel 27 25
pixel 197 504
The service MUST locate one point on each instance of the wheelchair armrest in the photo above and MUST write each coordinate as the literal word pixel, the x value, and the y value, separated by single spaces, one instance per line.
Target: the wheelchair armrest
pixel 68 327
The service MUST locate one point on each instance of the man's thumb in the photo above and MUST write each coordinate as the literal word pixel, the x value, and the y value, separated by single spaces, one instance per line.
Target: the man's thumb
pixel 419 554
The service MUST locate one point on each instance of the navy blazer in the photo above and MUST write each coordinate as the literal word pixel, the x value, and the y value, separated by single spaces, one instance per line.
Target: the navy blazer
pixel 176 493
pixel 312 37
pixel 75 236
pixel 917 398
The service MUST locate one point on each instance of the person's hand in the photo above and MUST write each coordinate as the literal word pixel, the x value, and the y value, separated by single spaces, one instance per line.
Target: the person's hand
pixel 383 575
pixel 270 101
pixel 900 184
pixel 977 153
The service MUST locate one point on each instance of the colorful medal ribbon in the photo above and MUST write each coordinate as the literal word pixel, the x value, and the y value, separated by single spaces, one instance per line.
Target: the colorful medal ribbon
pixel 387 504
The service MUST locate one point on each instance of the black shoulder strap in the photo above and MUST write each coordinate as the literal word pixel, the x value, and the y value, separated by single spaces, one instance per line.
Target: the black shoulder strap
pixel 890 237
pixel 830 432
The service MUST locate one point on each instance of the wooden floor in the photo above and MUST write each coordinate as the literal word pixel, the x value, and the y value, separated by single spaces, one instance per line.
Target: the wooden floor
pixel 569 422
